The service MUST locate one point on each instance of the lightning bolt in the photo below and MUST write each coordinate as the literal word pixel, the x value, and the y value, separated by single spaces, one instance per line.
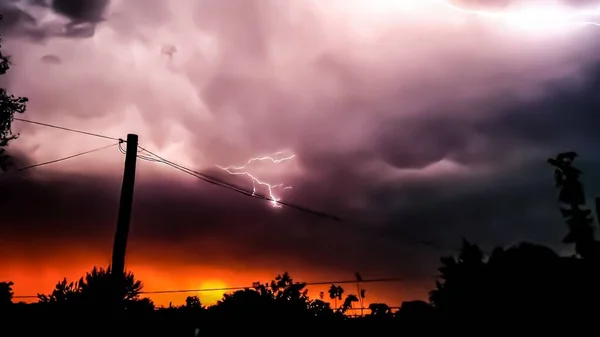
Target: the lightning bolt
pixel 527 17
pixel 242 170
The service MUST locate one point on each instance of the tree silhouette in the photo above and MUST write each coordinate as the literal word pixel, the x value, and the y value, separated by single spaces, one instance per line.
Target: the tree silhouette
pixel 380 310
pixel 63 291
pixel 320 308
pixel 515 283
pixel 282 297
pixel 413 310
pixel 97 289
pixel 9 105
pixel 335 293
pixel 193 302
pixel 6 294
pixel 572 196
pixel 460 279
pixel 98 285
pixel 284 288
pixel 348 303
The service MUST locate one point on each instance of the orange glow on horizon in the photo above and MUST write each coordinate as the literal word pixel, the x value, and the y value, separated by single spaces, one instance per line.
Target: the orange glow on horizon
pixel 31 278
pixel 36 268
pixel 212 297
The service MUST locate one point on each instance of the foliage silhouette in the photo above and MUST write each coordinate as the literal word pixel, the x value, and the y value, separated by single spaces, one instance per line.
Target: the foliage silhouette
pixel 63 291
pixel 6 294
pixel 412 311
pixel 9 105
pixel 193 302
pixel 282 298
pixel 515 282
pixel 96 290
pixel 380 310
pixel 572 196
pixel 335 293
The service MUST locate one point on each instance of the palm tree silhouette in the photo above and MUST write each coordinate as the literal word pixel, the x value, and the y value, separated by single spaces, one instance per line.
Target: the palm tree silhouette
pixel 335 293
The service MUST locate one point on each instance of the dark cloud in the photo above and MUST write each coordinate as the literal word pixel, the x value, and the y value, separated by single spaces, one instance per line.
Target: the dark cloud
pixel 51 59
pixel 413 144
pixel 41 19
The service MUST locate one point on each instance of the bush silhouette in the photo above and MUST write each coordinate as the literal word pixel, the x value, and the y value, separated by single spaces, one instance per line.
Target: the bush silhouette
pixel 514 283
pixel 6 294
pixel 97 290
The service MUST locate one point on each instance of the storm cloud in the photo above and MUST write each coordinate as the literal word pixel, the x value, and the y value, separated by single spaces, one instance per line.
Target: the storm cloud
pixel 415 123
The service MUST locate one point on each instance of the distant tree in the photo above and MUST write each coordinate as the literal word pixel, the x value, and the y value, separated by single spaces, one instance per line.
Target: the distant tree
pixel 63 291
pixel 9 105
pixel 320 308
pixel 284 288
pixel 6 293
pixel 97 288
pixel 572 196
pixel 380 310
pixel 249 303
pixel 282 297
pixel 460 279
pixel 98 285
pixel 193 302
pixel 415 310
pixel 140 306
pixel 335 293
pixel 515 283
pixel 348 303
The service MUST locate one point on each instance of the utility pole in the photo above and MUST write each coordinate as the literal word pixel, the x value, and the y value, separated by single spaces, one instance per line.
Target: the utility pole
pixel 120 243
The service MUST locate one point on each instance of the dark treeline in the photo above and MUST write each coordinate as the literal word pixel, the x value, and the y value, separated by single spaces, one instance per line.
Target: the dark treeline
pixel 509 285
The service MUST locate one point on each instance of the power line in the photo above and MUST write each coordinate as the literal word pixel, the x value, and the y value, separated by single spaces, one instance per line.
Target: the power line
pixel 221 183
pixel 61 159
pixel 66 129
pixel 405 236
pixel 179 291
pixel 381 280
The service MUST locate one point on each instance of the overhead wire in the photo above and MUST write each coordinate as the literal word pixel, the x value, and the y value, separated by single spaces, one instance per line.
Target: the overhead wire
pixel 225 289
pixel 212 180
pixel 156 158
pixel 67 129
pixel 221 183
pixel 25 168
pixel 380 280
pixel 209 179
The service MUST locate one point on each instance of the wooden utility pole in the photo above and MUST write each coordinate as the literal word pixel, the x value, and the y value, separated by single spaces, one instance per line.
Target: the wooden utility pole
pixel 120 243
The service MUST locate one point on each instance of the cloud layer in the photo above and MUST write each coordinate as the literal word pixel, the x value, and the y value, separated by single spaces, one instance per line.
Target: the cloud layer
pixel 410 120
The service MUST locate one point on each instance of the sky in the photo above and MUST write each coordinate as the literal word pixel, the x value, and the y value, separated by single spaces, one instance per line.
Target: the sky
pixel 417 123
